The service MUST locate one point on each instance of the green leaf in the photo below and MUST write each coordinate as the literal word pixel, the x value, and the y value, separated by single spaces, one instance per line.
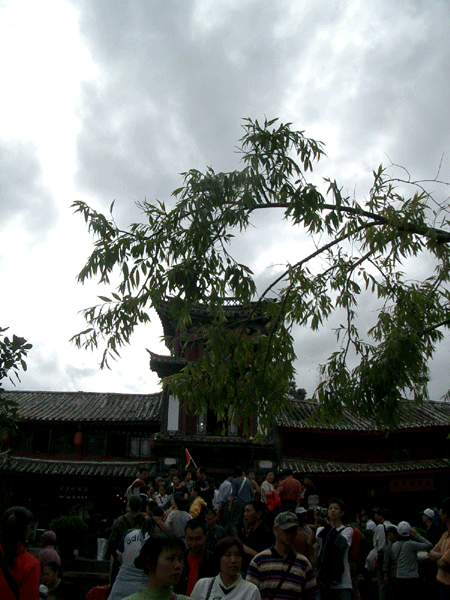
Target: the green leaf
pixel 188 255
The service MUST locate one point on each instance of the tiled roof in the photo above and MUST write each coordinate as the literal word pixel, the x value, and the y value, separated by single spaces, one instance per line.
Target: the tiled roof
pixel 24 465
pixel 169 359
pixel 40 466
pixel 86 406
pixel 429 414
pixel 143 408
pixel 323 467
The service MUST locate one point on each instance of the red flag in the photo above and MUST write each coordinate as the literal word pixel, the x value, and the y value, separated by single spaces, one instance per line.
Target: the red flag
pixel 189 459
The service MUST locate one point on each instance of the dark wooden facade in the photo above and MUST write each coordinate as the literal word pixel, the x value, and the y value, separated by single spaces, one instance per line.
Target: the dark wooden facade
pixel 85 448
pixel 407 469
pixel 76 448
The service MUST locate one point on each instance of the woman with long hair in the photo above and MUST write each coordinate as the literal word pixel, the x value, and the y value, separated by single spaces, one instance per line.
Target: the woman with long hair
pixel 20 571
pixel 228 584
pixel 161 558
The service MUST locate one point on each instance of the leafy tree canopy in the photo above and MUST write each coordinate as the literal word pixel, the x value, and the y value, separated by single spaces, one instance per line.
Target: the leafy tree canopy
pixel 360 247
pixel 12 360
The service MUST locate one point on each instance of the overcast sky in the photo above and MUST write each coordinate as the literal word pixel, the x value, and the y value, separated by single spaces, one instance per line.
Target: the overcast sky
pixel 110 100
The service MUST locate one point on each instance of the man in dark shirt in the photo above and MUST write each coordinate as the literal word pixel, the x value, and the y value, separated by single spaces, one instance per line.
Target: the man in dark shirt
pixel 168 481
pixel 310 497
pixel 214 532
pixel 433 533
pixel 241 494
pixel 258 536
pixel 207 483
pixel 197 560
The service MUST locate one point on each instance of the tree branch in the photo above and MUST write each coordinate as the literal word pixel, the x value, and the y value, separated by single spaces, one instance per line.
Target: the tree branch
pixel 423 332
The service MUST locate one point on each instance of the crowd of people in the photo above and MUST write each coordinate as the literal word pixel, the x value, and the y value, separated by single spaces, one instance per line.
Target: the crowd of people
pixel 188 537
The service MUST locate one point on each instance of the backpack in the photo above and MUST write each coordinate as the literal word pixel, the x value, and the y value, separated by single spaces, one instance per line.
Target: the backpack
pixel 355 547
pixel 330 562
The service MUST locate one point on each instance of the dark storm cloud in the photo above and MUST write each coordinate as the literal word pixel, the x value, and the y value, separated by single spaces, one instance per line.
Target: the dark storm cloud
pixel 171 90
pixel 170 94
pixel 393 87
pixel 23 196
pixel 406 88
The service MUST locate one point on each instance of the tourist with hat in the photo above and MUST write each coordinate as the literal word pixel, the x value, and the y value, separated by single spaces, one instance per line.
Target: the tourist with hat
pixel 433 533
pixel 429 568
pixel 404 555
pixel 279 571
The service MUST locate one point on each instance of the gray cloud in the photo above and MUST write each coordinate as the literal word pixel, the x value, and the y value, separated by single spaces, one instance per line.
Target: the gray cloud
pixel 171 95
pixel 172 90
pixel 44 371
pixel 23 196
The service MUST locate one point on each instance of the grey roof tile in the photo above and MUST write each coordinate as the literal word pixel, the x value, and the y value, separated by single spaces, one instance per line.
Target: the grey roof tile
pixel 429 414
pixel 323 467
pixel 40 466
pixel 86 406
pixel 141 408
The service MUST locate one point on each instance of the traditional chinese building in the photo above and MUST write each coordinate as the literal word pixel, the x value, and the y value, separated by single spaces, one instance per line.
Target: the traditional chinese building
pixel 85 448
pixel 222 442
pixel 407 469
pixel 76 448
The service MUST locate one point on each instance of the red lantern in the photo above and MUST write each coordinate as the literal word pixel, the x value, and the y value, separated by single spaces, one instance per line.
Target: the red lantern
pixel 78 439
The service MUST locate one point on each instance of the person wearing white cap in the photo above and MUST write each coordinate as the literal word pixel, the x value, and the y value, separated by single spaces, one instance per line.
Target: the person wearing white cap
pixel 404 555
pixel 429 568
pixel 302 515
pixel 433 531
pixel 371 525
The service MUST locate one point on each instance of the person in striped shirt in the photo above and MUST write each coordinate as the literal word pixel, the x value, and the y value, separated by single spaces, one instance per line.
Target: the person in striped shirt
pixel 279 572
